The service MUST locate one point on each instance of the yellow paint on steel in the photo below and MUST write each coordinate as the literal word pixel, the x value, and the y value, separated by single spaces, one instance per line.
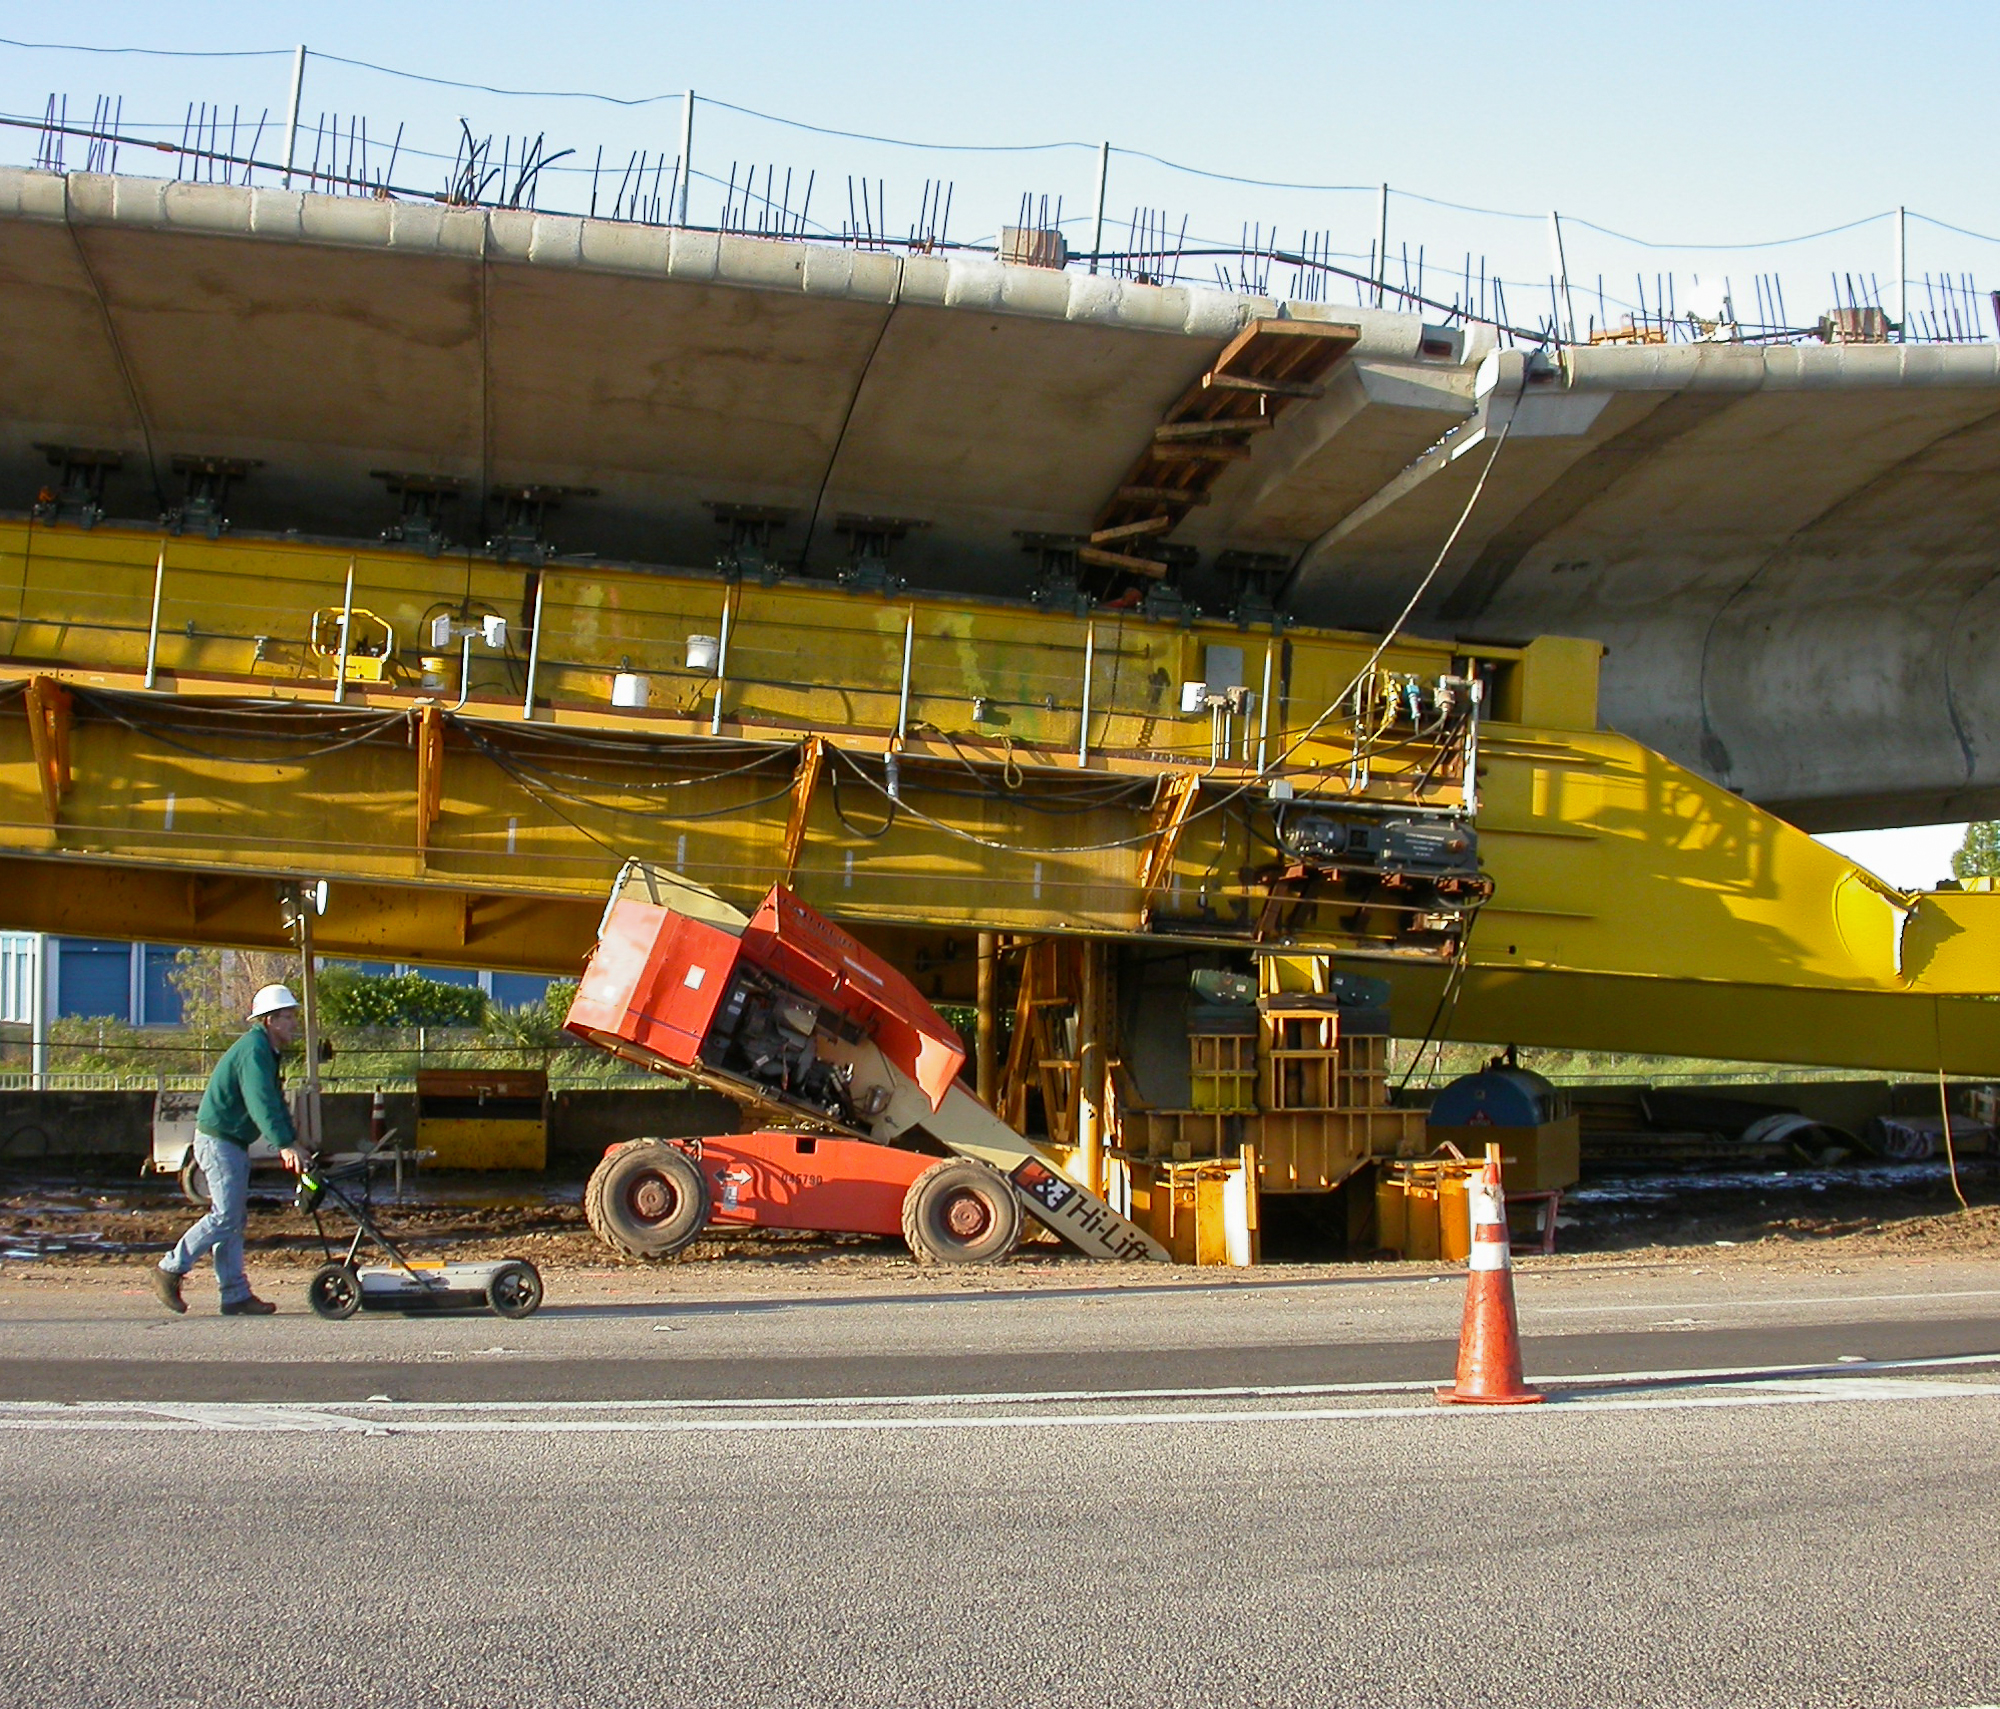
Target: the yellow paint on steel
pixel 1636 906
pixel 803 656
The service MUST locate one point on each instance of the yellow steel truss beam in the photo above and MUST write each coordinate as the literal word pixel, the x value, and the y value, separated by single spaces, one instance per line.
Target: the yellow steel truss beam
pixel 1636 906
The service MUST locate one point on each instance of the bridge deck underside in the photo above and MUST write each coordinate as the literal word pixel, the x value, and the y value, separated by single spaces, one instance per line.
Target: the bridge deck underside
pixel 1786 550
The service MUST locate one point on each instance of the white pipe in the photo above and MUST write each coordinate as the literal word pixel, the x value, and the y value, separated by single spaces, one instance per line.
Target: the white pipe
pixel 535 647
pixel 1561 266
pixel 1264 714
pixel 464 671
pixel 346 629
pixel 1097 225
pixel 309 1004
pixel 292 111
pixel 153 629
pixel 680 215
pixel 721 669
pixel 1089 665
pixel 1469 784
pixel 1382 248
pixel 903 693
pixel 38 1011
pixel 1902 272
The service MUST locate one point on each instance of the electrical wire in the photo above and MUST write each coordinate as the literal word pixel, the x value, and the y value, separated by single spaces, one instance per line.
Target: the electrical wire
pixel 157 728
pixel 1256 183
pixel 524 773
pixel 492 89
pixel 1113 793
pixel 678 95
pixel 997 847
pixel 761 762
pixel 153 52
pixel 840 813
pixel 1945 225
pixel 1235 794
pixel 651 745
pixel 1422 587
pixel 1446 1007
pixel 896 142
pixel 1766 243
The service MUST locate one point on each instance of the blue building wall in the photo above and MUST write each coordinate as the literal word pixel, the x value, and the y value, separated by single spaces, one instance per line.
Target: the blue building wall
pixel 96 977
pixel 128 982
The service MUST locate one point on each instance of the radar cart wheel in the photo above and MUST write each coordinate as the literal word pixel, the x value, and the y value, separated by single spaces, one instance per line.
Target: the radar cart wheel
pixel 334 1291
pixel 515 1289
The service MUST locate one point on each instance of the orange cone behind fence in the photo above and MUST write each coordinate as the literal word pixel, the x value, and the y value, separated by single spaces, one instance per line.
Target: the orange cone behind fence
pixel 1489 1341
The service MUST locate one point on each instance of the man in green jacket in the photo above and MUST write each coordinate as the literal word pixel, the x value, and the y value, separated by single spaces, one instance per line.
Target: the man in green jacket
pixel 245 1098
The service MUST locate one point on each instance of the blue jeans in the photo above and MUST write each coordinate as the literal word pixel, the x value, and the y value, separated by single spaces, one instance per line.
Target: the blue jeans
pixel 227 1167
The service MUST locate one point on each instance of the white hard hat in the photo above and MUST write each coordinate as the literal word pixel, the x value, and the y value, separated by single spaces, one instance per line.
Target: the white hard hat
pixel 271 1000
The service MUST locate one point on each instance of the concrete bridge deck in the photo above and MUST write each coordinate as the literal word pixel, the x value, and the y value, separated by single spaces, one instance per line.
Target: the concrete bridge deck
pixel 1787 551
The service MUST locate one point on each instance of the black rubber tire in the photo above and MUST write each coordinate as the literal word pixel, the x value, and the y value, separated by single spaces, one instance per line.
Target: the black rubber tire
pixel 194 1182
pixel 515 1289
pixel 959 1211
pixel 334 1292
pixel 647 1200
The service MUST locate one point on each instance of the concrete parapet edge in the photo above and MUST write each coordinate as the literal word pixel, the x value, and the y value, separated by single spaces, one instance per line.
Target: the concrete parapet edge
pixel 1790 367
pixel 524 237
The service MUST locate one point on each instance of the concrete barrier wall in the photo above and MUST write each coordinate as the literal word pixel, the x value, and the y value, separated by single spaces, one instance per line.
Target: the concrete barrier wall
pixel 115 1128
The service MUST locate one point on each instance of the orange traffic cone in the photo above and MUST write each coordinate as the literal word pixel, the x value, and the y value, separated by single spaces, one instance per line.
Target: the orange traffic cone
pixel 1489 1341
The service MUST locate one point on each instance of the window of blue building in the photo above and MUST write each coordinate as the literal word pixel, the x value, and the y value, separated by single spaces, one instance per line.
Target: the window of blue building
pixel 94 978
pixel 518 990
pixel 159 1002
pixel 449 975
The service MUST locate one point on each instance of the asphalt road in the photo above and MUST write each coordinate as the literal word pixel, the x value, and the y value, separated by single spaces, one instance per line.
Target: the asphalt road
pixel 897 1503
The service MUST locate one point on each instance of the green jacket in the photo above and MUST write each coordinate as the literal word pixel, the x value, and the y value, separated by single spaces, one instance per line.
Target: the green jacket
pixel 245 1096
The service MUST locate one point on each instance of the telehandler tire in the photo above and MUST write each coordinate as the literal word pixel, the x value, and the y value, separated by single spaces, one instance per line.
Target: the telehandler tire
pixel 959 1211
pixel 647 1200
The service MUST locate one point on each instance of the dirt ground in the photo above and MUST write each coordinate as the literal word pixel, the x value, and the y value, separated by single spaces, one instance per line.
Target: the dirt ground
pixel 1806 1216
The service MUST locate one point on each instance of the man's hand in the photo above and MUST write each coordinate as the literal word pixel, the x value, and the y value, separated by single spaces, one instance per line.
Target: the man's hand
pixel 296 1158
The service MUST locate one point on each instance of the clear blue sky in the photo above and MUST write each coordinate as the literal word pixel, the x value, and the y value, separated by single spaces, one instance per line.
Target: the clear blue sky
pixel 1718 125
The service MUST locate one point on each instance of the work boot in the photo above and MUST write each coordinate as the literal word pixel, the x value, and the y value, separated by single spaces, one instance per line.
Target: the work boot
pixel 248 1306
pixel 168 1286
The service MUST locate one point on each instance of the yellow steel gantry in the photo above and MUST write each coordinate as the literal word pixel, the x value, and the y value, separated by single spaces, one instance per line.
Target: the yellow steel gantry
pixel 197 717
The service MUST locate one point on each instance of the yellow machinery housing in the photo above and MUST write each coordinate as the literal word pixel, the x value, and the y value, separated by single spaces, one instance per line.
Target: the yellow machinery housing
pixel 938 773
pixel 483 1119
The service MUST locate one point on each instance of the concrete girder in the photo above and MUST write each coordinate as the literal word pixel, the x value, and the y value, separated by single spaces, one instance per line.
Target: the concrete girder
pixel 1774 543
pixel 1762 576
pixel 1376 418
pixel 666 369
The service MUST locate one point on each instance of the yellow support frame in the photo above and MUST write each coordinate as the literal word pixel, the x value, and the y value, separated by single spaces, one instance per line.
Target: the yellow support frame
pixel 1636 906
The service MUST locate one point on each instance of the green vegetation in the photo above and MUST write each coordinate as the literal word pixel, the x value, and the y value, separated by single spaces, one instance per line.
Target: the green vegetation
pixel 352 999
pixel 1979 855
pixel 382 1029
pixel 1608 1067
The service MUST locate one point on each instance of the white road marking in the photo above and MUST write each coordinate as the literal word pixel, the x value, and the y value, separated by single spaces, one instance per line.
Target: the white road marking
pixel 343 1411
pixel 1541 1310
pixel 414 1418
pixel 1846 1366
